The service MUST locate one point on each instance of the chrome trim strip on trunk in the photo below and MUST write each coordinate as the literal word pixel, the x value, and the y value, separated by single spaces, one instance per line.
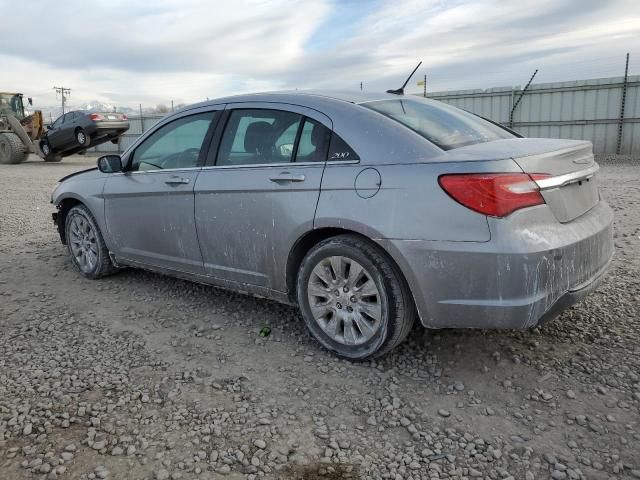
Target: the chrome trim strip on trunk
pixel 568 178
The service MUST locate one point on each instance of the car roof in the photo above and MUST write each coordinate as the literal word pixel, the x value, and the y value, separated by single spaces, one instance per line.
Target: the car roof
pixel 304 96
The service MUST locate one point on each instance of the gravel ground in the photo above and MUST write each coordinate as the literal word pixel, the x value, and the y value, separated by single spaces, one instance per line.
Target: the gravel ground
pixel 146 377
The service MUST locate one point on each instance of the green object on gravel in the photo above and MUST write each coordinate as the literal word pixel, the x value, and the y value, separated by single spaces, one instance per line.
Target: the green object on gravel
pixel 265 331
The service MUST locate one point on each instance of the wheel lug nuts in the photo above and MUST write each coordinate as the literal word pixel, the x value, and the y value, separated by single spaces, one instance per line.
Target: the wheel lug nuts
pixel 349 309
pixel 345 289
pixel 353 299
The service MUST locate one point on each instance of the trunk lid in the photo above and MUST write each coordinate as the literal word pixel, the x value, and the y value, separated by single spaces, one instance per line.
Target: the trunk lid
pixel 570 191
pixel 111 116
pixel 572 188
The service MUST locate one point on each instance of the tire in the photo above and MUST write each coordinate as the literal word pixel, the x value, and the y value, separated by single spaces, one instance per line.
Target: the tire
pixel 82 138
pixel 84 240
pixel 47 151
pixel 12 150
pixel 340 310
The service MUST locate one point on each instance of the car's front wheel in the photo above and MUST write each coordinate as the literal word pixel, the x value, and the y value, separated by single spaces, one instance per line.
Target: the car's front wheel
pixel 86 246
pixel 82 138
pixel 48 153
pixel 353 299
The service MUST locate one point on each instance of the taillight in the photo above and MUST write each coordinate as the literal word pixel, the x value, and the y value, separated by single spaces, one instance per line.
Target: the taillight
pixel 494 194
pixel 124 117
pixel 96 116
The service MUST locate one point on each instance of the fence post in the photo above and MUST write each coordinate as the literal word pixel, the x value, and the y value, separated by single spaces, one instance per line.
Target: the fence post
pixel 524 90
pixel 141 119
pixel 511 100
pixel 622 104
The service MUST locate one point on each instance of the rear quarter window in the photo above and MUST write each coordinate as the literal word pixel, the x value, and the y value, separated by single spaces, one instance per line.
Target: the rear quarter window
pixel 340 150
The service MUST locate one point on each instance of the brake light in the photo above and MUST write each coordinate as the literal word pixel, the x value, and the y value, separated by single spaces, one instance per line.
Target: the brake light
pixel 494 194
pixel 96 116
pixel 124 117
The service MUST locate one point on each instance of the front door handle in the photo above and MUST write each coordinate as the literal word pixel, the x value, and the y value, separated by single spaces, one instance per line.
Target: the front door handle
pixel 177 181
pixel 287 177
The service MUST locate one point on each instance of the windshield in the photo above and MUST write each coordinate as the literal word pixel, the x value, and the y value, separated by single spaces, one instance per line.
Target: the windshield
pixel 11 103
pixel 447 127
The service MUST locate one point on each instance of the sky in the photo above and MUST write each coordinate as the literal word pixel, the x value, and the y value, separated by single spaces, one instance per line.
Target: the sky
pixel 126 53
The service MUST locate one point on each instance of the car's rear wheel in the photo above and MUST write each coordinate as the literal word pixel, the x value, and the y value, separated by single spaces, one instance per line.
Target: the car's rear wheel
pixel 82 138
pixel 86 246
pixel 353 299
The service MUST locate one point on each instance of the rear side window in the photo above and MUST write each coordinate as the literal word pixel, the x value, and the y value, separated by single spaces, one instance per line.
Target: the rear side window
pixel 447 127
pixel 258 136
pixel 314 142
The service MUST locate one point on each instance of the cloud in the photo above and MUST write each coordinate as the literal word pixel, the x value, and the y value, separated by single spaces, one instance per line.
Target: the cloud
pixel 150 52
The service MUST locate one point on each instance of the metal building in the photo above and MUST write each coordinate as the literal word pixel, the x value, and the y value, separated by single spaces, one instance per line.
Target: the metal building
pixel 581 109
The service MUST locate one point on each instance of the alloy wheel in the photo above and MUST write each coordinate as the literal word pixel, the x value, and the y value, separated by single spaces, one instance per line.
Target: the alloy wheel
pixel 83 242
pixel 344 300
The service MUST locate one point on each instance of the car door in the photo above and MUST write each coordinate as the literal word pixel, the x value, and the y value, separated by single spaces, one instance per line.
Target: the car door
pixel 149 207
pixel 253 200
pixel 67 134
pixel 55 133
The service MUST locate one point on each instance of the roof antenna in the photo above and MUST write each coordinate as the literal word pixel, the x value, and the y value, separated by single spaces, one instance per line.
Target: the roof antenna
pixel 400 91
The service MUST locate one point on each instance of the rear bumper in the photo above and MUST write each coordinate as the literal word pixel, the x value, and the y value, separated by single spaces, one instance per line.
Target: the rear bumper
pixel 573 296
pixel 532 268
pixel 106 128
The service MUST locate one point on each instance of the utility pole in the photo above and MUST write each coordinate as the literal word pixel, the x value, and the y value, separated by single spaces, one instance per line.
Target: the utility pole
pixel 622 104
pixel 517 102
pixel 63 92
pixel 361 85
pixel 141 119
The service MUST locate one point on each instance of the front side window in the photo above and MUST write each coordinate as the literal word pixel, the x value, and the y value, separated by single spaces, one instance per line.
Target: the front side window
pixel 257 136
pixel 175 145
pixel 447 127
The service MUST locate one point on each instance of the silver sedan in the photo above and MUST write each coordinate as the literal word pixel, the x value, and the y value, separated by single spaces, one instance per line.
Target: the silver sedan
pixel 367 211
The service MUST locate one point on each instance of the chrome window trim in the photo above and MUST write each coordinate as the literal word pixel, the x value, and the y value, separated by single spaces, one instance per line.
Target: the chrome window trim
pixel 256 165
pixel 136 172
pixel 282 164
pixel 567 178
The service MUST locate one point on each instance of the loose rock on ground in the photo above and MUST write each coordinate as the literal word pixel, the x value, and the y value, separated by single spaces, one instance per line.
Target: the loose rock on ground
pixel 141 376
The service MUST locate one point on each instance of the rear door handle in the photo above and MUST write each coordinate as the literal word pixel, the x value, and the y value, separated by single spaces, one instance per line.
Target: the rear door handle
pixel 177 180
pixel 287 177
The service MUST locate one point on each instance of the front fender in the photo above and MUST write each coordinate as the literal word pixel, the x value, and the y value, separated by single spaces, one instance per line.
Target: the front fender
pixel 88 192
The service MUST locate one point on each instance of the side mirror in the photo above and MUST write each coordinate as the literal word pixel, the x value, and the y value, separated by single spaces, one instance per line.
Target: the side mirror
pixel 110 164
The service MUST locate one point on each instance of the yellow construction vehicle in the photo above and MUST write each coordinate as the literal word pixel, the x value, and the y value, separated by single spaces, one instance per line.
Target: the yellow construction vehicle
pixel 20 133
